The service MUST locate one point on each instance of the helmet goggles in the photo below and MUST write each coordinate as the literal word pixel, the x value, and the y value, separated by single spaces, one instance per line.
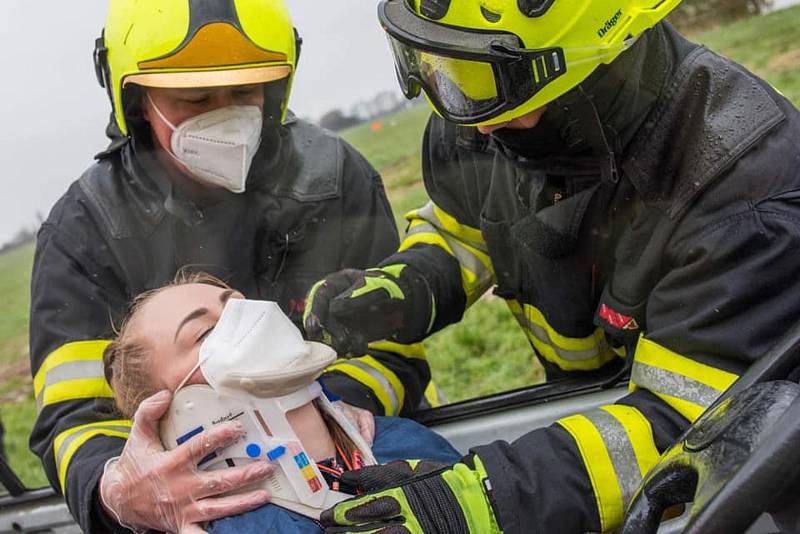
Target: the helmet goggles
pixel 473 76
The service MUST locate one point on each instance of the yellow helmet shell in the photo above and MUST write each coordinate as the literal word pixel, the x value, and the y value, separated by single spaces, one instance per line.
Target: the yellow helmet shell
pixel 196 43
pixel 591 32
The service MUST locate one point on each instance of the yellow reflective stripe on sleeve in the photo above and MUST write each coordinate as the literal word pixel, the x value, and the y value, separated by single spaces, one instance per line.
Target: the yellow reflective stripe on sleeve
pixel 431 225
pixel 569 354
pixel 441 219
pixel 472 259
pixel 475 266
pixel 73 371
pixel 69 441
pixel 640 435
pixel 617 447
pixel 434 395
pixel 85 388
pixel 688 386
pixel 601 472
pixel 412 350
pixel 396 385
pixel 378 378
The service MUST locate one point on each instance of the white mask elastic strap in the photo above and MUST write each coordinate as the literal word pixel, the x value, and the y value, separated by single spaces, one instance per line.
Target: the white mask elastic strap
pixel 173 156
pixel 158 112
pixel 190 373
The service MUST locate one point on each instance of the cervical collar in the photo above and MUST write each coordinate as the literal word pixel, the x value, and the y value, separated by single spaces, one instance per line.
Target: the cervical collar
pixel 296 484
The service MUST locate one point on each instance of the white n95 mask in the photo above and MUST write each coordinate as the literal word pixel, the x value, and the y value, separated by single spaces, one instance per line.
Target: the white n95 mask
pixel 218 147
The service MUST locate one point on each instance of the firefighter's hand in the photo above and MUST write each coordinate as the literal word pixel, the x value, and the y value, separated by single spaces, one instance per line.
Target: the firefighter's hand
pixel 416 497
pixel 150 488
pixel 363 420
pixel 351 308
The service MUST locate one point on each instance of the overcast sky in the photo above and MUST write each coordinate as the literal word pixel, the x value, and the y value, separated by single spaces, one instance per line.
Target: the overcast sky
pixel 53 113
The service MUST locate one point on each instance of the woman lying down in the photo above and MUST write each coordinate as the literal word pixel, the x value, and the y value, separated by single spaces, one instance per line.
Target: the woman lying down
pixel 231 359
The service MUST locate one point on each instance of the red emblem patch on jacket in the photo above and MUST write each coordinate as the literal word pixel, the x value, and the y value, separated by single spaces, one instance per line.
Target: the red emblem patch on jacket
pixel 617 320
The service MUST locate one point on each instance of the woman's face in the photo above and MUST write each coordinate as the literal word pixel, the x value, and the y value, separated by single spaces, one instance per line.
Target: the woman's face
pixel 172 325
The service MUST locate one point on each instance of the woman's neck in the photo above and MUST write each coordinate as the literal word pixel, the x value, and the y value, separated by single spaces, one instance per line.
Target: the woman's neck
pixel 311 430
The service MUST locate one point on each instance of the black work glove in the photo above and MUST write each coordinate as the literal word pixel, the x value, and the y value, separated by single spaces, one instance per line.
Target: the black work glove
pixel 351 308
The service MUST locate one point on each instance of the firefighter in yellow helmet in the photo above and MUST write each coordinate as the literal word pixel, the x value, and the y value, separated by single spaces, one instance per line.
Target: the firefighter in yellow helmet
pixel 207 169
pixel 633 198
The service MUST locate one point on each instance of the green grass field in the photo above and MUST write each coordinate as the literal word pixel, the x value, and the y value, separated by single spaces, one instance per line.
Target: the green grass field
pixel 769 46
pixel 17 408
pixel 14 286
pixel 483 354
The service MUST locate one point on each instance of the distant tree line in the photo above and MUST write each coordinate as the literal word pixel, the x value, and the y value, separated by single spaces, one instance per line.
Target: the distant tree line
pixel 383 103
pixel 25 235
pixel 22 237
pixel 336 120
pixel 699 14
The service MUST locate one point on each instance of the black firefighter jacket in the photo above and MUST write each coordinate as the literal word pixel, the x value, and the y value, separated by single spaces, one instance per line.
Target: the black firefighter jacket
pixel 681 259
pixel 313 206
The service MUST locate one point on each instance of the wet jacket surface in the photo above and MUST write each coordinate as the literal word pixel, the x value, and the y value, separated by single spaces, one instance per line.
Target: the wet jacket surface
pixel 313 206
pixel 675 258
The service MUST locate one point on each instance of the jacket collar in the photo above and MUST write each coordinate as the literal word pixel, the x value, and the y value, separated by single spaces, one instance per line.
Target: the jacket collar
pixel 712 112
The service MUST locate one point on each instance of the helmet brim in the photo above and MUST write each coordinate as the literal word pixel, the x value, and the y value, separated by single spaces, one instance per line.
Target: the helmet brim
pixel 209 78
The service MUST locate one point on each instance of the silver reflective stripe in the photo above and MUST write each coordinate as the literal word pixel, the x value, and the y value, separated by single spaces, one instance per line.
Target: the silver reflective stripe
pixel 619 450
pixel 544 336
pixel 672 384
pixel 77 370
pixel 428 213
pixel 374 373
pixel 465 257
pixel 65 444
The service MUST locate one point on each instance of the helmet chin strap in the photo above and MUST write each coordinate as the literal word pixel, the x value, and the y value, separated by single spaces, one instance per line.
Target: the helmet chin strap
pixel 591 125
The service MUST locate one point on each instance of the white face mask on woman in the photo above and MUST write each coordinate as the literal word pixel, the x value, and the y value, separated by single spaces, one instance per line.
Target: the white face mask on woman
pixel 217 147
pixel 256 348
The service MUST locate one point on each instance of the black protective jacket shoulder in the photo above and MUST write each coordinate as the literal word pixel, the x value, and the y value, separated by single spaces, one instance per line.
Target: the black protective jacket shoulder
pixel 681 264
pixel 313 207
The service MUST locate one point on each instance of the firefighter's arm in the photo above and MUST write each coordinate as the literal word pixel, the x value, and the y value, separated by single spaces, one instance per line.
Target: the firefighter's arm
pixel 75 431
pixel 441 268
pixel 75 297
pixel 721 305
pixel 727 296
pixel 386 378
pixel 443 241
